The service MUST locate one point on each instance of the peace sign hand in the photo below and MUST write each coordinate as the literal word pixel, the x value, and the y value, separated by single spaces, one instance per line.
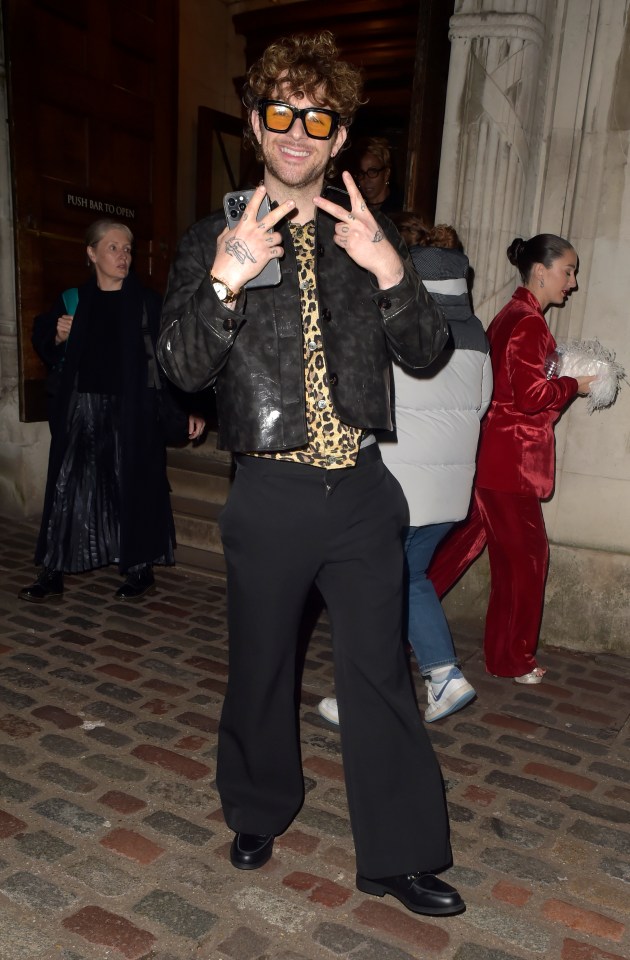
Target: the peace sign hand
pixel 358 233
pixel 243 252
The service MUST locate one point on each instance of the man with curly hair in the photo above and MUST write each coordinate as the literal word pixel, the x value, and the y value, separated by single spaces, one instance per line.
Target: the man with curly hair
pixel 301 372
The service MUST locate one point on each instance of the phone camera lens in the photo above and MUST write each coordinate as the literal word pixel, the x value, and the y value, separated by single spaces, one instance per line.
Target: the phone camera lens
pixel 231 202
pixel 234 214
pixel 242 206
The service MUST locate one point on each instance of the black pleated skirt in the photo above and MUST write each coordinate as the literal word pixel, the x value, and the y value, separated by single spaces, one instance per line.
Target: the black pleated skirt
pixel 83 530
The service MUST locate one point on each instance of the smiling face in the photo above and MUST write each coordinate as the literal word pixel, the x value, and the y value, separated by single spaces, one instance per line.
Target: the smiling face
pixel 292 159
pixel 558 280
pixel 111 257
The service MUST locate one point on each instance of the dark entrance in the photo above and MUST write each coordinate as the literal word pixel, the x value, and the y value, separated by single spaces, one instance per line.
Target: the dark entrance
pixel 92 106
pixel 403 49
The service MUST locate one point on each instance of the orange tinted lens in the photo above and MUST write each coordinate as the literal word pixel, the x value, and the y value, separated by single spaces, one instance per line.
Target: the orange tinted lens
pixel 277 117
pixel 318 124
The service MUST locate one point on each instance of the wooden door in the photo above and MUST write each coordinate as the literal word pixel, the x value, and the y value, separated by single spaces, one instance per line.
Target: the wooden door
pixel 92 112
pixel 222 163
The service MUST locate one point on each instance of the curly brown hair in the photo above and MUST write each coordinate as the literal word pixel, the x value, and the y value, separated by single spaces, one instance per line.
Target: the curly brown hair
pixel 415 232
pixel 411 227
pixel 443 235
pixel 304 65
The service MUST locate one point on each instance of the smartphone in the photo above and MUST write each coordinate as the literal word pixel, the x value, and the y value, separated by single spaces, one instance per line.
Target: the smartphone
pixel 234 204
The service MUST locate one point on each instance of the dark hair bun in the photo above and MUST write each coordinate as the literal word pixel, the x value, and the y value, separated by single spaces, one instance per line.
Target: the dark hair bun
pixel 515 250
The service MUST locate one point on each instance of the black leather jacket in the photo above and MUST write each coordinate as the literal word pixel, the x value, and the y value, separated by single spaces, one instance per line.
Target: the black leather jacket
pixel 253 355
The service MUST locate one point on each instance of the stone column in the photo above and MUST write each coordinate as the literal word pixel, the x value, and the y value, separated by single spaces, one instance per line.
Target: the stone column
pixel 491 134
pixel 536 139
pixel 584 189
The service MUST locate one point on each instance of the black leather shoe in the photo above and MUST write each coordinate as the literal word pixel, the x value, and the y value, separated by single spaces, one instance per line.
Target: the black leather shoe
pixel 251 850
pixel 138 583
pixel 48 588
pixel 419 892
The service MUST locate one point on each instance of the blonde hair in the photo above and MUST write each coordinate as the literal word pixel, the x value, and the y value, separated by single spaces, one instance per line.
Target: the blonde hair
pixel 97 230
pixel 378 146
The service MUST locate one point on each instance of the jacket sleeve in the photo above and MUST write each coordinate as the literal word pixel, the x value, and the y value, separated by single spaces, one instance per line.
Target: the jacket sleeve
pixel 415 327
pixel 525 358
pixel 197 331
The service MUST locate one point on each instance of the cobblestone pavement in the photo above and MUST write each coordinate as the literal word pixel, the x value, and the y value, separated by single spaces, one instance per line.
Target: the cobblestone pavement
pixel 113 842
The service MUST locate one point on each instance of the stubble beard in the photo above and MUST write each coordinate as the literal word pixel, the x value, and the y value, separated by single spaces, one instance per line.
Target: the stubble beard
pixel 302 178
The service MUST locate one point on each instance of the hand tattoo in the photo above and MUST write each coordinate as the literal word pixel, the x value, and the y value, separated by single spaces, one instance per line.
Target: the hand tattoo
pixel 378 236
pixel 238 249
pixel 362 207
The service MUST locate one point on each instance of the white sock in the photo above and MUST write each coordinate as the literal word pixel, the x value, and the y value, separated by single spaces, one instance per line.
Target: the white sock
pixel 439 674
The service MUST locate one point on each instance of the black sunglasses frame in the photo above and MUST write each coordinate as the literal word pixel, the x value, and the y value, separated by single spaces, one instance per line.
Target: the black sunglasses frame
pixel 335 118
pixel 370 174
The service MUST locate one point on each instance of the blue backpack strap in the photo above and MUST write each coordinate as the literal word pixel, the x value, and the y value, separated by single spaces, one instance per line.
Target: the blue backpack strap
pixel 71 300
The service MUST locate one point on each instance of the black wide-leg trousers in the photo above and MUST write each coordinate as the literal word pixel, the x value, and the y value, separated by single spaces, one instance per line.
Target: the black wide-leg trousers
pixel 286 526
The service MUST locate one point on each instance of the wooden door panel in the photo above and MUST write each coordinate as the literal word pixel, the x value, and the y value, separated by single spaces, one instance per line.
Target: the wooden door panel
pixel 60 144
pixel 61 42
pixel 92 105
pixel 133 75
pixel 108 145
pixel 222 164
pixel 71 10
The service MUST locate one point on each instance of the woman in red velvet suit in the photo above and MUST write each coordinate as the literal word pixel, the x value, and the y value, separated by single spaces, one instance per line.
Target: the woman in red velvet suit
pixel 516 462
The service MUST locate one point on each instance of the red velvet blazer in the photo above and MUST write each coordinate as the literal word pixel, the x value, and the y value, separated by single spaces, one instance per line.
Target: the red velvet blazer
pixel 517 449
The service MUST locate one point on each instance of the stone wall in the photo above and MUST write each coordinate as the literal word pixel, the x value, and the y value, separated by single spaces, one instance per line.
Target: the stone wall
pixel 536 139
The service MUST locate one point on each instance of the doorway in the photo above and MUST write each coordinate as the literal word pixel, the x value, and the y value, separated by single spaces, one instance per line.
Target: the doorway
pixel 403 50
pixel 92 111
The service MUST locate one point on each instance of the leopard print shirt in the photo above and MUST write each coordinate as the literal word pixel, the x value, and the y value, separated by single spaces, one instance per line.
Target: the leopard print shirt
pixel 331 443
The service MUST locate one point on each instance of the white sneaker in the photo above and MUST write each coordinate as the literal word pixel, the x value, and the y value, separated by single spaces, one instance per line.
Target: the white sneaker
pixel 453 693
pixel 328 710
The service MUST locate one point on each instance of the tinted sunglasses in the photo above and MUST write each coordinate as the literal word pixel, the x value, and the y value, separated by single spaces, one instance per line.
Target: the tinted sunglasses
pixel 278 117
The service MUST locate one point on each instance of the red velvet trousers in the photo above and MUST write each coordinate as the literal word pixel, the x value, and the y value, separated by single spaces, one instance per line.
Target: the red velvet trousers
pixel 513 528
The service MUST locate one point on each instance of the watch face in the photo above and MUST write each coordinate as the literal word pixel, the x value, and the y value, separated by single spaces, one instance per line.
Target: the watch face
pixel 220 289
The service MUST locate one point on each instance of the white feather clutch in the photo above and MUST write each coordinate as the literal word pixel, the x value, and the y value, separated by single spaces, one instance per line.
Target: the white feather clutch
pixel 587 358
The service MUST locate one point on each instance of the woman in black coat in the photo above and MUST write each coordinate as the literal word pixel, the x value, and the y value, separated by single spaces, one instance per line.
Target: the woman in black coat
pixel 107 496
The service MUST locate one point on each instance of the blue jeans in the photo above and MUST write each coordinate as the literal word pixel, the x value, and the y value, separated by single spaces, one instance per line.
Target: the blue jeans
pixel 427 629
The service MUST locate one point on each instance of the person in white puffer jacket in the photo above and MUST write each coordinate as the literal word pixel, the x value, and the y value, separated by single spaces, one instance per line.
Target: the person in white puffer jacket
pixel 432 454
